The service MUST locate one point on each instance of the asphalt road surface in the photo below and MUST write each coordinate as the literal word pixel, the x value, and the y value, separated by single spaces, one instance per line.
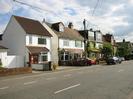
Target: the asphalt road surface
pixel 94 82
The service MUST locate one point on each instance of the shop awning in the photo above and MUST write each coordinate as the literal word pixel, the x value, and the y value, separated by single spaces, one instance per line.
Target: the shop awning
pixel 37 50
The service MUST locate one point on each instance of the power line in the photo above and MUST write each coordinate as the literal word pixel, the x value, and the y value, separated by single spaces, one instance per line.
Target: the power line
pixel 95 7
pixel 93 12
pixel 33 6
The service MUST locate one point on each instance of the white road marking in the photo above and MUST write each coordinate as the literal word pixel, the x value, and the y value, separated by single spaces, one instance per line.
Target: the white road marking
pixel 51 78
pixel 56 92
pixel 67 75
pixel 31 82
pixel 4 87
pixel 121 70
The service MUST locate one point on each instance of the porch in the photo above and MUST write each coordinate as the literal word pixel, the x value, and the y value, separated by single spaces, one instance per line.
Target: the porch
pixel 66 55
pixel 39 58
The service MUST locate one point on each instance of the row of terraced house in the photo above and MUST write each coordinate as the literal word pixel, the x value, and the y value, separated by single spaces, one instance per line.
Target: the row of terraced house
pixel 29 42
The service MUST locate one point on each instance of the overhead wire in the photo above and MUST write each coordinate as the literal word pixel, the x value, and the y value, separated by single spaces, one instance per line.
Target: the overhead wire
pixel 33 6
pixel 51 12
pixel 93 12
pixel 95 7
pixel 41 9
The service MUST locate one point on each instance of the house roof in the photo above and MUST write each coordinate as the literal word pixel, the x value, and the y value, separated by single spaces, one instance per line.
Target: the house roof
pixel 37 50
pixel 68 33
pixel 32 26
pixel 2 47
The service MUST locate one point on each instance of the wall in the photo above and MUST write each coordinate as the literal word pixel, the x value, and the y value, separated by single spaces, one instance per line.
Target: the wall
pixel 14 38
pixel 71 44
pixel 35 41
pixel 15 71
pixel 3 57
pixel 54 45
pixel 14 61
pixel 11 61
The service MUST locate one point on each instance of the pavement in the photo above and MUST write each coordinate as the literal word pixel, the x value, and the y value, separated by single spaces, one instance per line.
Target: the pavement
pixel 38 72
pixel 88 82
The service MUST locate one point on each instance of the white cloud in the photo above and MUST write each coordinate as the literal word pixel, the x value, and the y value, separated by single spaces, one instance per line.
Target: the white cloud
pixel 130 1
pixel 115 8
pixel 5 6
pixel 129 37
pixel 55 11
pixel 2 28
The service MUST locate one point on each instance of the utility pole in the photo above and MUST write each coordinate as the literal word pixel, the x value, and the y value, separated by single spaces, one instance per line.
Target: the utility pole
pixel 85 38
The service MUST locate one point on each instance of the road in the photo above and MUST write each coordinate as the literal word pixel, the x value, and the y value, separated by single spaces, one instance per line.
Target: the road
pixel 94 82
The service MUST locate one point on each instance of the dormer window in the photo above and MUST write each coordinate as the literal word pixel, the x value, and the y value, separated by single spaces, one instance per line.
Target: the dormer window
pixel 61 28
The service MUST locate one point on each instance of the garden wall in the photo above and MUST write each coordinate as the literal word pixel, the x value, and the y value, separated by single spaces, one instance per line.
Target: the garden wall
pixel 15 71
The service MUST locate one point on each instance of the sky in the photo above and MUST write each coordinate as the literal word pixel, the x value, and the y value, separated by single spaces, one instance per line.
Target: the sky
pixel 110 16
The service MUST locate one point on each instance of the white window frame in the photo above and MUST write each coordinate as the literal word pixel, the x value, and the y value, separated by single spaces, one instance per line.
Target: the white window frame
pixel 65 42
pixel 77 44
pixel 30 39
pixel 44 42
pixel 41 55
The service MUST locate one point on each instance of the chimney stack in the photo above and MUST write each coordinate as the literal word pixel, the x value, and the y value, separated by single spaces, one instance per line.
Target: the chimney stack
pixel 70 25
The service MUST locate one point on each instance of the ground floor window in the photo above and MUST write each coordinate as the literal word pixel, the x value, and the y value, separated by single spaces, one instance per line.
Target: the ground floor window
pixel 43 57
pixel 38 58
pixel 76 55
pixel 64 56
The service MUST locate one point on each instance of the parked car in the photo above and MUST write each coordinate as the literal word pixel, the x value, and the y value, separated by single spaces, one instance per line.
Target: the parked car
pixel 93 61
pixel 113 60
pixel 81 62
pixel 128 57
pixel 122 58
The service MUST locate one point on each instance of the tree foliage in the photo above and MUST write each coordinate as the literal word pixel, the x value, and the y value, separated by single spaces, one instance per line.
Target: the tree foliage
pixel 107 50
pixel 123 49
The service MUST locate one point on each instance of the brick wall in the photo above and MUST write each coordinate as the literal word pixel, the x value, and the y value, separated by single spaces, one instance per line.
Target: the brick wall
pixel 15 71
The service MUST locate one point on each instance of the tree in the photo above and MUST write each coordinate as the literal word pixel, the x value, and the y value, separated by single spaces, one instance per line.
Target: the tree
pixel 107 50
pixel 124 49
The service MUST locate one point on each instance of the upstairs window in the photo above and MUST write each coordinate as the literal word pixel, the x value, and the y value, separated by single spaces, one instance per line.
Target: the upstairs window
pixel 30 39
pixel 42 41
pixel 66 43
pixel 91 35
pixel 78 44
pixel 99 37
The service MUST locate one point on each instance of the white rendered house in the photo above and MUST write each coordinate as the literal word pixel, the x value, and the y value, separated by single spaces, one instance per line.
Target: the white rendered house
pixel 27 38
pixel 70 42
